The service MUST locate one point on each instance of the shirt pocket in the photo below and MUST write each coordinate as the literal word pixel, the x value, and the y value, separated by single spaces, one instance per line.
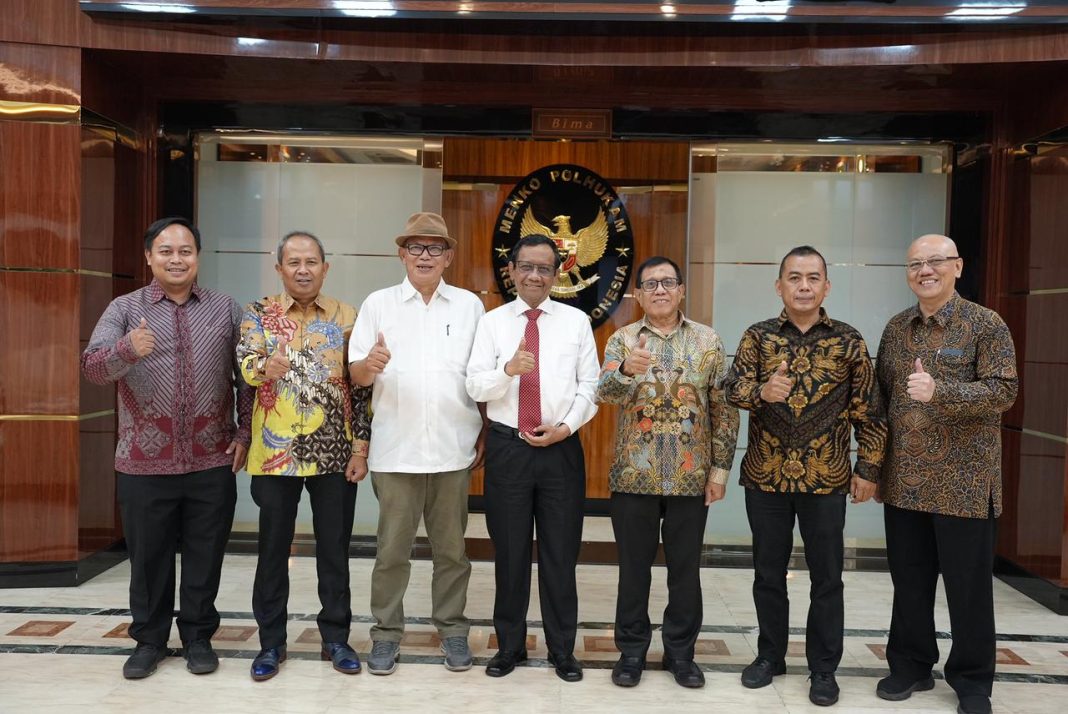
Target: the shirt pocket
pixel 458 342
pixel 564 359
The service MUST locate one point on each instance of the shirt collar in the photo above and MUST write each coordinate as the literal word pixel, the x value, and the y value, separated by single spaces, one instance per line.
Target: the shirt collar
pixel 941 315
pixel 824 319
pixel 645 324
pixel 321 301
pixel 408 290
pixel 155 292
pixel 519 307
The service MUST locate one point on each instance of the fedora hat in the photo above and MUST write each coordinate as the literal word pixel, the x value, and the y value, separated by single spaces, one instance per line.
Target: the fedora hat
pixel 426 225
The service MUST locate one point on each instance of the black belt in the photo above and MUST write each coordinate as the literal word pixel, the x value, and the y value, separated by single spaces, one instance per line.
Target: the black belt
pixel 506 430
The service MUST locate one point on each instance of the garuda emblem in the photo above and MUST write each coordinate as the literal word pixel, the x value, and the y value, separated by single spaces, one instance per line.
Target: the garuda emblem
pixel 577 250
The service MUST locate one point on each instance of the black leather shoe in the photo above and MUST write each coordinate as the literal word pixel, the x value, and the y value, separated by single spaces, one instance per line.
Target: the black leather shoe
pixel 974 704
pixel 502 663
pixel 143 661
pixel 897 687
pixel 823 689
pixel 200 658
pixel 267 663
pixel 567 667
pixel 685 672
pixel 628 671
pixel 344 657
pixel 760 672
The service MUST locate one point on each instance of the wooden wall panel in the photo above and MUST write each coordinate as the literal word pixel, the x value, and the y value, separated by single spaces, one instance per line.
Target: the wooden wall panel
pixel 39 351
pixel 38 491
pixel 658 219
pixel 98 515
pixel 36 73
pixel 39 189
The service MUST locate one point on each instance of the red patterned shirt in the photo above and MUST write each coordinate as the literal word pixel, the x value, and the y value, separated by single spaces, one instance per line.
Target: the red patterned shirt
pixel 176 404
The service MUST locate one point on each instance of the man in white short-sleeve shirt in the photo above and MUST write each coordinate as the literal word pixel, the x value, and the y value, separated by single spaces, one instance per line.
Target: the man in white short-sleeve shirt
pixel 412 342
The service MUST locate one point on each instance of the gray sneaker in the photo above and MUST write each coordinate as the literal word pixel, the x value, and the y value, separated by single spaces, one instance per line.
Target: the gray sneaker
pixel 383 658
pixel 457 654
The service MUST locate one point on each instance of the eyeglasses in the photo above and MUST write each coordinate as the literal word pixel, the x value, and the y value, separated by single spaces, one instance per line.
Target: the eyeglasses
pixel 650 285
pixel 434 250
pixel 935 261
pixel 527 268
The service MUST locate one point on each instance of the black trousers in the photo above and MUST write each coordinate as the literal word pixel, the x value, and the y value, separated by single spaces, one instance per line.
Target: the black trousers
pixel 638 522
pixel 527 486
pixel 333 502
pixel 919 546
pixel 160 513
pixel 821 519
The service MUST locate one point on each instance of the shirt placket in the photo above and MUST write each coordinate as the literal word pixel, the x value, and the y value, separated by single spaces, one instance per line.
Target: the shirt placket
pixel 183 387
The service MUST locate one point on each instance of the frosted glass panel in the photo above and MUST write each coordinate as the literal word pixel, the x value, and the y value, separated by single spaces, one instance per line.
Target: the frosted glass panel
pixel 892 210
pixel 760 216
pixel 237 205
pixel 742 295
pixel 877 294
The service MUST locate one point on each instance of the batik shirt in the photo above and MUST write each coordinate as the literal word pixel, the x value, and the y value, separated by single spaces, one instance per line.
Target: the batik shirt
pixel 176 404
pixel 311 421
pixel 802 445
pixel 945 455
pixel 675 429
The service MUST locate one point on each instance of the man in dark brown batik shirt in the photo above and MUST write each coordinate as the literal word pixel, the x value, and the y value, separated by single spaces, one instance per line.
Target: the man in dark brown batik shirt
pixel 947 370
pixel 806 380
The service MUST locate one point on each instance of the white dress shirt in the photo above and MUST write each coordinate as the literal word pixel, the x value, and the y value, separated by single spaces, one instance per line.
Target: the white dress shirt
pixel 422 419
pixel 567 364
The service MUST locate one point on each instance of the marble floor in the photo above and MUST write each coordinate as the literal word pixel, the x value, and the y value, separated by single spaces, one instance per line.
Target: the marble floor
pixel 61 650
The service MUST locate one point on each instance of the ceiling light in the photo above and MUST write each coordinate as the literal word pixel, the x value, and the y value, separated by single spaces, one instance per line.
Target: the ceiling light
pixel 769 10
pixel 351 8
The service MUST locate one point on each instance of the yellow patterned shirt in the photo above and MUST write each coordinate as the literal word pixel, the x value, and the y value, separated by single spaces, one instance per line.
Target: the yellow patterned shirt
pixel 802 445
pixel 311 421
pixel 675 429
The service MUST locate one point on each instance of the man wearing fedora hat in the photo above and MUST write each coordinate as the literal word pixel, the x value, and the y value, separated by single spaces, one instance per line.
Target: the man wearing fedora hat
pixel 411 343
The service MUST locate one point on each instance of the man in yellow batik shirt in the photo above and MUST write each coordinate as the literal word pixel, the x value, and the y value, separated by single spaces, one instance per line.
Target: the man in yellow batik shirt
pixel 310 430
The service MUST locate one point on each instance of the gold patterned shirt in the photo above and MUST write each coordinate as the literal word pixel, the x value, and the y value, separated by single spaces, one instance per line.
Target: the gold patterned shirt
pixel 310 421
pixel 675 428
pixel 944 456
pixel 802 444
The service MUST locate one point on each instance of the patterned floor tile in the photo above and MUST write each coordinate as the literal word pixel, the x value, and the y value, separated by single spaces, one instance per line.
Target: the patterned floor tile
pixel 234 633
pixel 120 631
pixel 40 628
pixel 532 643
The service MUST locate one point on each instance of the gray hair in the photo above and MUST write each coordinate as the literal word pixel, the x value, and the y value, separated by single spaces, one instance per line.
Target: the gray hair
pixel 300 234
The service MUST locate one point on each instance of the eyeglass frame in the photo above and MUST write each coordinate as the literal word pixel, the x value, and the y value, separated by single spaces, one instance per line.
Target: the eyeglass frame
pixel 658 284
pixel 545 271
pixel 434 250
pixel 935 262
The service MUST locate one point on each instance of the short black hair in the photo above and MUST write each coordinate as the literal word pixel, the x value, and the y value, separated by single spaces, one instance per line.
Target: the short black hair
pixel 153 231
pixel 533 240
pixel 655 261
pixel 299 234
pixel 803 251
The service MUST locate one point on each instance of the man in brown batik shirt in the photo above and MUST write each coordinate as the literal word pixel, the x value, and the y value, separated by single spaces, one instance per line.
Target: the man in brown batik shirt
pixel 947 370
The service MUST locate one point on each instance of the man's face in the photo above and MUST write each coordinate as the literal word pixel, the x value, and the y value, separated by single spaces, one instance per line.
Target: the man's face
pixel 302 269
pixel 660 303
pixel 803 284
pixel 173 258
pixel 425 269
pixel 529 273
pixel 933 283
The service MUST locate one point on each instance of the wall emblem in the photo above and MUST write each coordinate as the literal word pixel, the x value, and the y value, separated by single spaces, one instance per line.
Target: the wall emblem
pixel 584 216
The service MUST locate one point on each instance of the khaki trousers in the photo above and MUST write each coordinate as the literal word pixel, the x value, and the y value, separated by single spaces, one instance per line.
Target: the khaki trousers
pixel 440 499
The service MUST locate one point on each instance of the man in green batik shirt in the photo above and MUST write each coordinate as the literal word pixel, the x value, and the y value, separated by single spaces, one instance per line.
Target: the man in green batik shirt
pixel 674 446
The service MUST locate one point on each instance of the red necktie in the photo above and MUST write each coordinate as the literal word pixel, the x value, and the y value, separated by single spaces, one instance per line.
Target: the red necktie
pixel 530 383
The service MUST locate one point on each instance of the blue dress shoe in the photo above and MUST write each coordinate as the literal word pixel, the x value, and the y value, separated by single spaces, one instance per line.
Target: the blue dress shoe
pixel 267 662
pixel 344 657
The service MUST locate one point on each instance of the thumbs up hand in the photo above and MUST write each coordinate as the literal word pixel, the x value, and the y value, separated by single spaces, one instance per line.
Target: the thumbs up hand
pixel 921 385
pixel 778 386
pixel 142 339
pixel 378 357
pixel 277 365
pixel 522 361
pixel 638 361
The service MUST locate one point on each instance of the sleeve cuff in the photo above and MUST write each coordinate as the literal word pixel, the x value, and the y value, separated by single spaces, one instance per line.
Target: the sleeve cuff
pixel 360 448
pixel 125 350
pixel 719 476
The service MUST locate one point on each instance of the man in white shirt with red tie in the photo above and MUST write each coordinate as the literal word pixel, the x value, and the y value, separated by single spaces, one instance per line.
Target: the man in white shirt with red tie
pixel 534 363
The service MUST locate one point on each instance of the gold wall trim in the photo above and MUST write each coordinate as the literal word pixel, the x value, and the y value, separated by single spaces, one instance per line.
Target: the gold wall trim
pixel 64 271
pixel 1044 435
pixel 1041 291
pixel 56 417
pixel 40 112
pixel 110 129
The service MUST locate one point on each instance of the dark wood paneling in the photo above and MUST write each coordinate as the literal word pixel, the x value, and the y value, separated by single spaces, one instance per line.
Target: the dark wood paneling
pixel 658 220
pixel 39 351
pixel 98 517
pixel 39 189
pixel 38 491
pixel 35 73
